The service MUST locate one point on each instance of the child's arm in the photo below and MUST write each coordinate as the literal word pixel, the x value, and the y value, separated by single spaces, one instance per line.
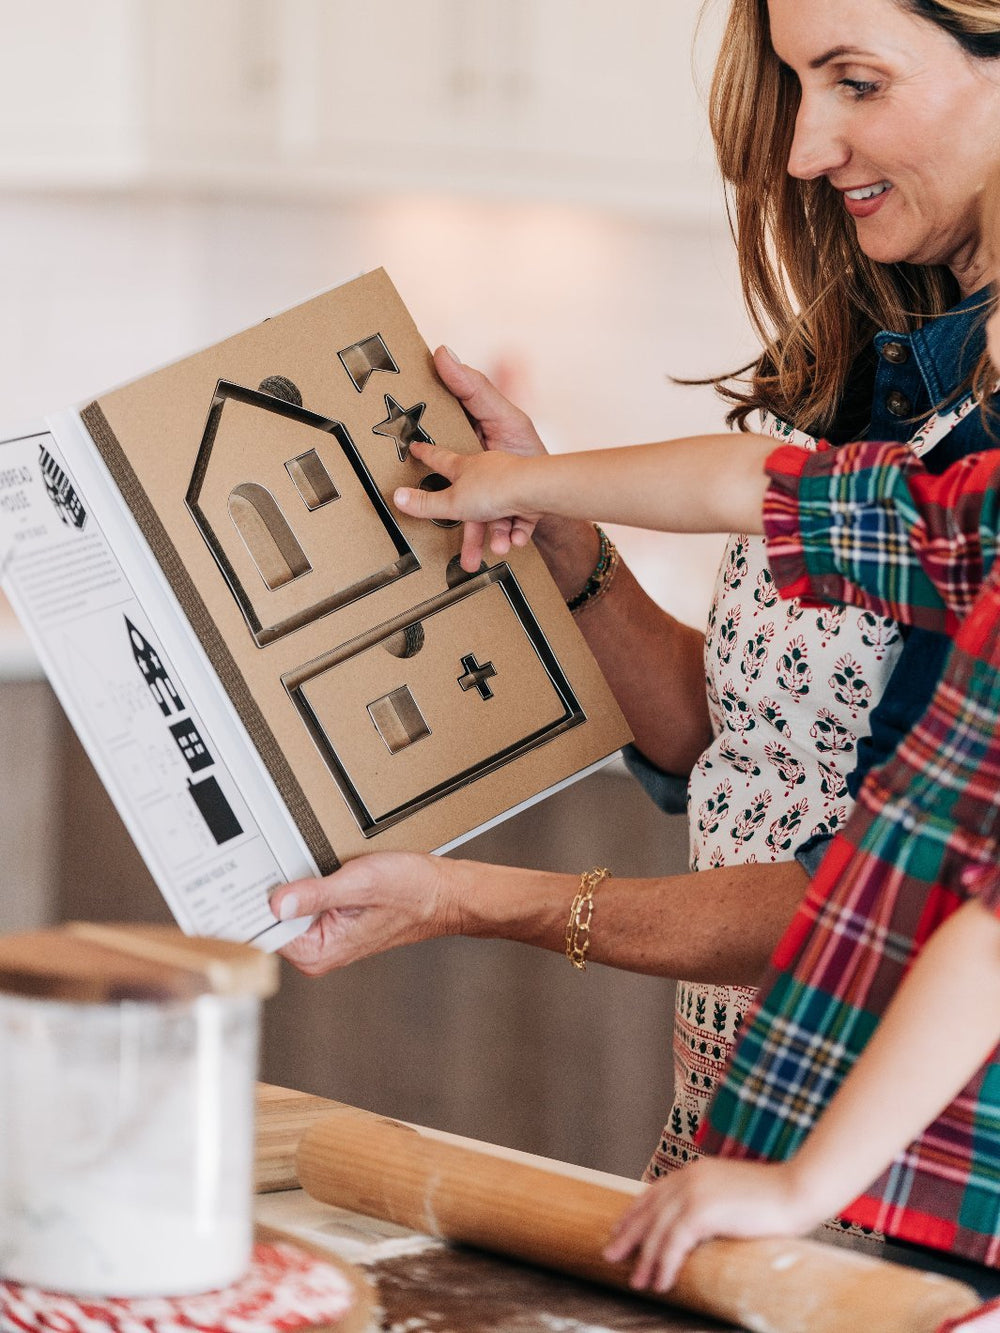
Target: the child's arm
pixel 915 1064
pixel 867 524
pixel 707 483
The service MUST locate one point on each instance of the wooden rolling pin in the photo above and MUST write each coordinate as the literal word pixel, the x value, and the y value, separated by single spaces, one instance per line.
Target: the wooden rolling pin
pixel 358 1161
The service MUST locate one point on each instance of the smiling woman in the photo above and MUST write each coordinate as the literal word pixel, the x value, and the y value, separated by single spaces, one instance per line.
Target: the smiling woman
pixel 854 137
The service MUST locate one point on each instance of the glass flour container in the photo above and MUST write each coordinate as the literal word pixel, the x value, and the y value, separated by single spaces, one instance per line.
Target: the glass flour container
pixel 129 1059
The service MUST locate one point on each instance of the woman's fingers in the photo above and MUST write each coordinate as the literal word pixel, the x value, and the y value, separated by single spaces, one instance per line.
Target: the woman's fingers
pixel 371 904
pixel 499 423
pixel 345 888
pixel 500 535
pixel 328 943
pixel 478 395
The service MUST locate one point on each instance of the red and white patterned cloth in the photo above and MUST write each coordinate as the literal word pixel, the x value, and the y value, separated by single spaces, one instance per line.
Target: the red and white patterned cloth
pixel 789 693
pixel 285 1290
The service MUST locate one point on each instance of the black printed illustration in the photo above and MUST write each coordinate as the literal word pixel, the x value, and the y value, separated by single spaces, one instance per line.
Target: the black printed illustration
pixel 60 491
pixel 208 796
pixel 191 745
pixel 216 811
pixel 161 687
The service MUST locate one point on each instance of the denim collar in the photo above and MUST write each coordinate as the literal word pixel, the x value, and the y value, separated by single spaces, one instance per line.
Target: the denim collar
pixel 946 349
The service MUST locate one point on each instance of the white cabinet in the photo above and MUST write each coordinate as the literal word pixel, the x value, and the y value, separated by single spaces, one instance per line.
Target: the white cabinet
pixel 215 85
pixel 552 98
pixel 562 99
pixel 71 107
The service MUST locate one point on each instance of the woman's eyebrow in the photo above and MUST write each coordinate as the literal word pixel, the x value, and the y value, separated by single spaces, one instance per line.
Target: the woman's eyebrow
pixel 835 53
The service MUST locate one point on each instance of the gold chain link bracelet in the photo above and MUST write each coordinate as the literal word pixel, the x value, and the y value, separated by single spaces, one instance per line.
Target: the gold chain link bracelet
pixel 581 914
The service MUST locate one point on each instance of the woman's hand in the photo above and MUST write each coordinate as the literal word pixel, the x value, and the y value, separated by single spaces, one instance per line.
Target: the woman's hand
pixel 484 494
pixel 371 904
pixel 501 428
pixel 706 1199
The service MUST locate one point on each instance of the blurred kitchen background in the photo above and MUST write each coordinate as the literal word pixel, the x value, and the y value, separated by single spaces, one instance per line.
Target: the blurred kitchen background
pixel 537 178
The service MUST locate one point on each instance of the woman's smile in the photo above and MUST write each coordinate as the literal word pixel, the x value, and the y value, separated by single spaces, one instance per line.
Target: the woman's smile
pixel 864 201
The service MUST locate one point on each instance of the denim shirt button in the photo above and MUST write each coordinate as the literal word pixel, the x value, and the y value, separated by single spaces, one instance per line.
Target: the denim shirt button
pixel 898 403
pixel 896 353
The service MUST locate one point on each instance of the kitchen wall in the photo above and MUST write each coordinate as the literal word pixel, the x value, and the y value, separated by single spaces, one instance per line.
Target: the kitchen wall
pixel 541 193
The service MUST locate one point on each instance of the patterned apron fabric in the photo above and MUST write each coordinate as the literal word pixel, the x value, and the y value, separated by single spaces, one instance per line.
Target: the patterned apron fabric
pixel 790 692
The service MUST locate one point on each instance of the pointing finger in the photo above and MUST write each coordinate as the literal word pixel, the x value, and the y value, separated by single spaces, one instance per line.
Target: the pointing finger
pixel 437 457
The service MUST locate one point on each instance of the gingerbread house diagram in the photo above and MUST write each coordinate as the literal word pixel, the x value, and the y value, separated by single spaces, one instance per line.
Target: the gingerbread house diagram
pixel 395 699
pixel 269 487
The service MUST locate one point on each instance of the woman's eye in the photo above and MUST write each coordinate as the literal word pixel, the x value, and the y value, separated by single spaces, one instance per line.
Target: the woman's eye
pixel 858 87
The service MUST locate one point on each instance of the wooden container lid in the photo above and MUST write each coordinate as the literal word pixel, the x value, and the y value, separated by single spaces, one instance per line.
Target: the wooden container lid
pixel 106 964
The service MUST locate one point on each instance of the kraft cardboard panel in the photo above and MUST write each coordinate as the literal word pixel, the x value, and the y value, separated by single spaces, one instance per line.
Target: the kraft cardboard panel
pixel 401 733
pixel 288 508
pixel 396 703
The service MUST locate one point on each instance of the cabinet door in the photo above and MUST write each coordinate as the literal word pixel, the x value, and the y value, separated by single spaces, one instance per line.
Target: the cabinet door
pixel 614 95
pixel 215 77
pixel 71 105
pixel 546 97
pixel 391 81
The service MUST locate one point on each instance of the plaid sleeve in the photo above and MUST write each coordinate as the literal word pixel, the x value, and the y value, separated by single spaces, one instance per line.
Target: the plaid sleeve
pixel 867 525
pixel 963 750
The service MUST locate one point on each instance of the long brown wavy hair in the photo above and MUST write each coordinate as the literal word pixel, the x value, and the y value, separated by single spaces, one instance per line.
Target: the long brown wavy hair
pixel 814 297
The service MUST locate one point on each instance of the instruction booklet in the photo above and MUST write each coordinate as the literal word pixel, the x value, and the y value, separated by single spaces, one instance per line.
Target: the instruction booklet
pixel 271 669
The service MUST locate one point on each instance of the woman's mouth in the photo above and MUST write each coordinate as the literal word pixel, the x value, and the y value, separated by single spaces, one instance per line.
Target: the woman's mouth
pixel 863 200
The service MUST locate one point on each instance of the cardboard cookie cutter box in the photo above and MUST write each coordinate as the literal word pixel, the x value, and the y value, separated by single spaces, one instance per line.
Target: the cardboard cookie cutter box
pixel 270 667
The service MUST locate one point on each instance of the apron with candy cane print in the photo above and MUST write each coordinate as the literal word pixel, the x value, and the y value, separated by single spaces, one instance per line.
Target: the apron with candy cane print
pixel 790 692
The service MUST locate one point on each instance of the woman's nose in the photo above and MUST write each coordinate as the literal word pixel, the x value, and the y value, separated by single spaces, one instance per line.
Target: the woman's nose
pixel 818 147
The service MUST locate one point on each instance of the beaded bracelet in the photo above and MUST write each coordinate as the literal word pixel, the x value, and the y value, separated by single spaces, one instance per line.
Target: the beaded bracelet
pixel 580 916
pixel 603 572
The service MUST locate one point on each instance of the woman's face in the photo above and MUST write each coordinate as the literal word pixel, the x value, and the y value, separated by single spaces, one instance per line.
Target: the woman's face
pixel 901 122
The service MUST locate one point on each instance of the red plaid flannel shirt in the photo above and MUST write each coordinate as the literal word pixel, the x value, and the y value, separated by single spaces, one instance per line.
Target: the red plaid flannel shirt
pixel 865 524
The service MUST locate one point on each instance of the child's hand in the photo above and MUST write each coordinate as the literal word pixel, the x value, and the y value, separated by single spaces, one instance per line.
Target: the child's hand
pixel 500 426
pixel 483 488
pixel 706 1199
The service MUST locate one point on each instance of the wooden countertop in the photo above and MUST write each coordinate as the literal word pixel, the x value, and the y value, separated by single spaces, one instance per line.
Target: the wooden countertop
pixel 427 1286
pixel 424 1283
